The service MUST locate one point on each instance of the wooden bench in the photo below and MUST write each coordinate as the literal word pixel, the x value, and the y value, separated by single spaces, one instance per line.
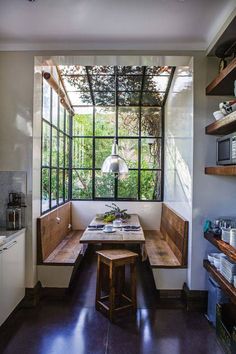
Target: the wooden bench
pixel 167 248
pixel 57 243
pixel 59 250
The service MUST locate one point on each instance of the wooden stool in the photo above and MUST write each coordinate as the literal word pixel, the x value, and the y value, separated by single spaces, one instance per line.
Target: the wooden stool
pixel 115 261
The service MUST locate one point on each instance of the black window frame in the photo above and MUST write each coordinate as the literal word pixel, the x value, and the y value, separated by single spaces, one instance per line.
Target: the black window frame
pixel 50 167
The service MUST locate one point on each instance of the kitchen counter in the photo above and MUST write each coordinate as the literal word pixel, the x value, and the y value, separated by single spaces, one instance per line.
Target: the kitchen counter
pixel 10 235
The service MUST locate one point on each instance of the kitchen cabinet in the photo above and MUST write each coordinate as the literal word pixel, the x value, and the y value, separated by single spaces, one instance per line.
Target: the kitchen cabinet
pixel 12 274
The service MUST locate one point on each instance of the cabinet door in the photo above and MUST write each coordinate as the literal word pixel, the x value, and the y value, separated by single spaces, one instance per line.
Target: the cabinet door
pixel 1 290
pixel 13 274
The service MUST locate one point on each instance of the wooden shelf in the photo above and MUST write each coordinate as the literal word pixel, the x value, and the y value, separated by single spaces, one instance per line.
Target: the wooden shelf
pixel 222 126
pixel 223 84
pixel 224 247
pixel 225 285
pixel 221 170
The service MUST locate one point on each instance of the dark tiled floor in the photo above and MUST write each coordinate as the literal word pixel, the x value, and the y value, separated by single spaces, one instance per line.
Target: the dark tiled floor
pixel 73 326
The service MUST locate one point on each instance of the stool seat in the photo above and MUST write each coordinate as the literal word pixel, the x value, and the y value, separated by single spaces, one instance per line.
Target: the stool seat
pixel 111 275
pixel 113 255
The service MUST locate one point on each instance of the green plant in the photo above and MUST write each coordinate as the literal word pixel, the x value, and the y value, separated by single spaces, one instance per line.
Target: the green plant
pixel 115 213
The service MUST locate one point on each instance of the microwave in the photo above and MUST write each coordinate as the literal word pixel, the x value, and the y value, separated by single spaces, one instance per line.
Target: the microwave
pixel 226 150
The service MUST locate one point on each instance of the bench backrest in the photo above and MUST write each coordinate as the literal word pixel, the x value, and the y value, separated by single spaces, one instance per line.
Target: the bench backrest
pixel 175 230
pixel 50 232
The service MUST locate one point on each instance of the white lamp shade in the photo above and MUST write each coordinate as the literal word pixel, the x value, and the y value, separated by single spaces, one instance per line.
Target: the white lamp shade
pixel 115 164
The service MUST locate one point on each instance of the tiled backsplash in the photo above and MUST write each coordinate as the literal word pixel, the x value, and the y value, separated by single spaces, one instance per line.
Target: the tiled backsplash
pixel 10 181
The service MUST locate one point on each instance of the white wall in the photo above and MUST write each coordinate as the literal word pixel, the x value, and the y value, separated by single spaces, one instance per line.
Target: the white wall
pixel 179 142
pixel 178 162
pixel 213 196
pixel 16 119
pixel 84 211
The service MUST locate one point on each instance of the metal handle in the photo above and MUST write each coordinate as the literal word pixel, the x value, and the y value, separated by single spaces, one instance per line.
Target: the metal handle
pixel 11 245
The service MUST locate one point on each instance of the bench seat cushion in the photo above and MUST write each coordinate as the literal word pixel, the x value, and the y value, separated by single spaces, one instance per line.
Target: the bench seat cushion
pixel 68 250
pixel 159 252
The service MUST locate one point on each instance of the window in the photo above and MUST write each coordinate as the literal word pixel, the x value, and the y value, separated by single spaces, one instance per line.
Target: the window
pixel 139 133
pixel 56 142
pixel 126 102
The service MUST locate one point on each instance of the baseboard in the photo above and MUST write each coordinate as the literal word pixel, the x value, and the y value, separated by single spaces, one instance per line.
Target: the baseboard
pixel 56 293
pixel 195 300
pixel 170 299
pixel 32 296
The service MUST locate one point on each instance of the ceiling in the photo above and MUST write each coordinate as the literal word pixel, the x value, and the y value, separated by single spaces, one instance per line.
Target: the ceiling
pixel 117 85
pixel 111 24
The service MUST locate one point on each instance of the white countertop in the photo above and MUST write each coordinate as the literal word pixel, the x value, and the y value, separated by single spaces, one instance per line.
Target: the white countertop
pixel 10 235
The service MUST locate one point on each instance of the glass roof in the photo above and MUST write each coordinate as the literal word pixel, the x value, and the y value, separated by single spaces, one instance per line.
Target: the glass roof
pixel 121 85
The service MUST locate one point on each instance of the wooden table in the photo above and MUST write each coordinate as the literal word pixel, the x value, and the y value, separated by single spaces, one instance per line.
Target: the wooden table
pixel 119 236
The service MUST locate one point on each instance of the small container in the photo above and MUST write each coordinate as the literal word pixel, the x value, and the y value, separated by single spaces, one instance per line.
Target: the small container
pixel 13 218
pixel 225 236
pixel 233 238
pixel 108 228
pixel 218 115
pixel 117 223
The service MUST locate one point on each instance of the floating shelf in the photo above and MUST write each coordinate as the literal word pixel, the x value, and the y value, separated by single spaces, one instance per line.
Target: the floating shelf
pixel 222 126
pixel 221 170
pixel 225 285
pixel 223 84
pixel 224 247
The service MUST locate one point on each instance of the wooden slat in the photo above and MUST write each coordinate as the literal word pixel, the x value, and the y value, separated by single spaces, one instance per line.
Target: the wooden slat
pixel 221 245
pixel 67 251
pixel 222 126
pixel 223 84
pixel 221 170
pixel 160 254
pixel 225 285
pixel 50 233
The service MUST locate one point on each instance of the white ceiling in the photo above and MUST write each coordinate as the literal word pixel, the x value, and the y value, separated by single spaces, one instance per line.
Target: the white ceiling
pixel 111 24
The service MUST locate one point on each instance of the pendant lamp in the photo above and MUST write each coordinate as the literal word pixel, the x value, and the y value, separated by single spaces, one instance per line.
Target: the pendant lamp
pixel 114 163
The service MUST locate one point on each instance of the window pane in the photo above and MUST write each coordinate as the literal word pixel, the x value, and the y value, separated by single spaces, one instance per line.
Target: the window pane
pixel 151 121
pixel 46 144
pixel 66 185
pixel 83 121
pixel 81 184
pixel 67 128
pixel 104 98
pixel 130 70
pixel 129 83
pixel 105 121
pixel 102 151
pixel 152 98
pixel 82 153
pixel 62 118
pixel 45 188
pixel 128 121
pixel 150 185
pixel 61 149
pixel 67 151
pixel 46 100
pixel 103 83
pixel 54 108
pixel 60 187
pixel 128 150
pixel 53 187
pixel 156 83
pixel 151 153
pixel 128 187
pixel 80 98
pixel 76 83
pixel 54 147
pixel 101 70
pixel 128 98
pixel 104 185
